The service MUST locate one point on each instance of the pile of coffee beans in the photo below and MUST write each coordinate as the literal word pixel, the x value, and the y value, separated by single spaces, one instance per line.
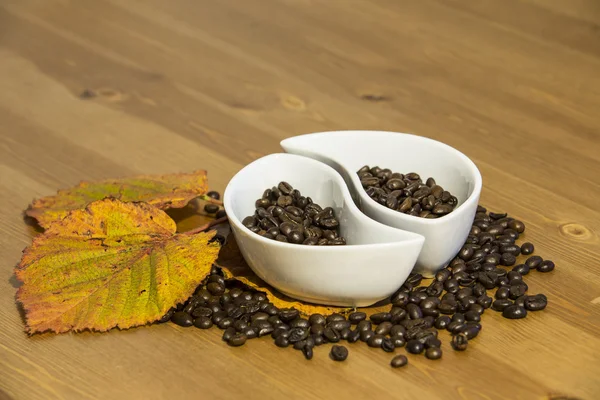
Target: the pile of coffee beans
pixel 484 275
pixel 283 214
pixel 406 193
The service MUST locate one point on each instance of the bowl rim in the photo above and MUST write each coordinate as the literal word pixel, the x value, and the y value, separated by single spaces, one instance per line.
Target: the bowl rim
pixel 416 239
pixel 389 213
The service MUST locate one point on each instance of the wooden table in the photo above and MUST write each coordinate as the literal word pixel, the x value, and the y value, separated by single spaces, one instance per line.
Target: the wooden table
pixel 105 88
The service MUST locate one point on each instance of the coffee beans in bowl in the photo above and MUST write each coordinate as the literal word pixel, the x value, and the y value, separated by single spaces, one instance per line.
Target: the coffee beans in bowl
pixel 283 214
pixel 406 193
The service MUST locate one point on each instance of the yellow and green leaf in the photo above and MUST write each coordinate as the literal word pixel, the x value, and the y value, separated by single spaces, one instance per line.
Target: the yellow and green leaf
pixel 112 264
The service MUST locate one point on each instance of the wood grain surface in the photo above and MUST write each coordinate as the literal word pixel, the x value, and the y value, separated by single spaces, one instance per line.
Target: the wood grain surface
pixel 94 89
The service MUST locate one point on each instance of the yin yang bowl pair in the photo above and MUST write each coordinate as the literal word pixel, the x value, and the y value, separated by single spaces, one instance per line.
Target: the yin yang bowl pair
pixel 383 245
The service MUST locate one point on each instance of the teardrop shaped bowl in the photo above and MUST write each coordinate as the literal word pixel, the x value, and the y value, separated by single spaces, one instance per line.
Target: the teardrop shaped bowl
pixel 348 151
pixel 375 262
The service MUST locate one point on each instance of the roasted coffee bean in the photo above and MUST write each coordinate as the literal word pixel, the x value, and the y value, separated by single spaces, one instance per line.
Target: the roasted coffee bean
pixel 533 261
pixel 288 314
pixel 345 333
pixel 364 326
pixel 447 307
pixel 215 288
pixel 414 279
pixel 508 259
pixel 536 302
pixel 182 319
pixel 488 279
pixel 339 325
pixel 381 317
pixel 458 317
pixel 545 266
pixel 201 312
pixel 451 285
pixel 211 208
pixel 282 341
pixel 366 335
pixel 225 323
pixel 414 311
pixel 387 345
pixel 317 329
pixel 435 289
pixel 400 298
pixel 229 333
pixel 514 277
pixel 338 353
pixel 517 226
pixel 239 339
pixel 399 361
pixel 298 323
pixel 375 340
pixel 167 316
pixel 502 293
pixel 414 346
pixel 514 312
pixel 335 317
pixel 203 322
pixel 500 305
pixel 478 308
pixel 442 275
pixel 356 317
pixel 470 331
pixel 280 331
pixel 384 328
pixel 299 345
pixel 433 353
pixel 297 334
pixel 353 336
pixel 317 319
pixel 331 335
pixel 472 316
pixel 527 248
pixel 442 322
pixel 517 290
pixel 464 293
pixel 522 269
pixel 460 342
pixel 397 330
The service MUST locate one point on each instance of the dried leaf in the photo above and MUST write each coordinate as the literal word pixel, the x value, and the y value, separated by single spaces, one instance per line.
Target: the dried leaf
pixel 235 267
pixel 113 264
pixel 162 191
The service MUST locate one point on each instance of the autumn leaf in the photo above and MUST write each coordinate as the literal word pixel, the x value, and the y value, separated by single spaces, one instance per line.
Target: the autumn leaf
pixel 162 191
pixel 113 264
pixel 234 266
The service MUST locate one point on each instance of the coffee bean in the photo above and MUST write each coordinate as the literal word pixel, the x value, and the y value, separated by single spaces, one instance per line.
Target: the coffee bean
pixel 500 305
pixel 239 339
pixel 502 293
pixel 517 226
pixel 522 269
pixel 282 342
pixel 517 290
pixel 514 312
pixel 356 317
pixel 397 330
pixel 527 248
pixel 460 342
pixel 353 336
pixel 182 319
pixel 203 322
pixel 225 323
pixel 433 353
pixel 478 308
pixel 545 266
pixel 470 331
pixel 442 322
pixel 211 208
pixel 339 325
pixel 366 335
pixel 536 302
pixel 331 335
pixel 364 326
pixel 381 317
pixel 288 314
pixel 447 307
pixel 297 334
pixel 472 316
pixel 399 361
pixel 338 353
pixel 533 261
pixel 414 347
pixel 384 328
pixel 317 319
pixel 387 345
pixel 507 259
pixel 215 288
pixel 413 310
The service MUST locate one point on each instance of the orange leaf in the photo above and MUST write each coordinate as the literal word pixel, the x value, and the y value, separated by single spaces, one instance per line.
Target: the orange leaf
pixel 162 191
pixel 234 266
pixel 113 264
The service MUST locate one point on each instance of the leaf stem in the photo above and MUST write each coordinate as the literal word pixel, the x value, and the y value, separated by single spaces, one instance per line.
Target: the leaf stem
pixel 209 199
pixel 206 226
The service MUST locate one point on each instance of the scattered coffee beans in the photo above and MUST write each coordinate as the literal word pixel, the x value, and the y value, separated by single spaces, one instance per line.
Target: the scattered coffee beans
pixel 455 300
pixel 406 193
pixel 283 214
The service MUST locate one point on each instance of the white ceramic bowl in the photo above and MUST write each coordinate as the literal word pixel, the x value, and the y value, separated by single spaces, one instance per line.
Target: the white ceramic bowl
pixel 348 151
pixel 375 262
